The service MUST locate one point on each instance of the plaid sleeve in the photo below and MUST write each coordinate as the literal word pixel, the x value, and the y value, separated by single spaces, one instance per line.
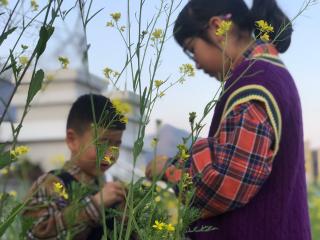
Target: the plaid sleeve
pixel 49 212
pixel 232 166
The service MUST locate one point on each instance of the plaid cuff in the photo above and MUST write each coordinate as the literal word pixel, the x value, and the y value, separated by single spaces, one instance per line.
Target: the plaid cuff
pixel 91 209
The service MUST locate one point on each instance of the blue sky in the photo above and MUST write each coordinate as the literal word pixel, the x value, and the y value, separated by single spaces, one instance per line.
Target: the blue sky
pixel 107 49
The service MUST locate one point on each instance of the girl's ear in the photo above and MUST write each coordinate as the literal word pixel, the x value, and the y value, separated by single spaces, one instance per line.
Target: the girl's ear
pixel 214 23
pixel 72 140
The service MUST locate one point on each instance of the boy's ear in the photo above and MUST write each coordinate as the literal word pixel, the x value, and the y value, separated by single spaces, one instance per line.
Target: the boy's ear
pixel 72 140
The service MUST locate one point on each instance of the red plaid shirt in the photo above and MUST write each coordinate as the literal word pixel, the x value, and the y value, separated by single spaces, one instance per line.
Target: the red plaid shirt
pixel 230 168
pixel 233 165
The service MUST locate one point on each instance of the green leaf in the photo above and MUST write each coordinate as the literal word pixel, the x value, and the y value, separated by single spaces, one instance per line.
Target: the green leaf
pixel 6 34
pixel 5 159
pixel 44 36
pixel 9 220
pixel 137 148
pixel 2 146
pixel 143 101
pixel 14 66
pixel 35 85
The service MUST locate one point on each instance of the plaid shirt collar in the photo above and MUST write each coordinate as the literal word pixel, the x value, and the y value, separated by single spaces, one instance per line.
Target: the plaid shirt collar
pixel 79 174
pixel 255 50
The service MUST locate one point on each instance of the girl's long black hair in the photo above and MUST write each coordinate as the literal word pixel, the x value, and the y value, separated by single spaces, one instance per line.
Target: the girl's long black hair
pixel 194 17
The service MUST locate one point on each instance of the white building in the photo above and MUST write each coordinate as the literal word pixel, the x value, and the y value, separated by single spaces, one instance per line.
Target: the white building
pixel 45 124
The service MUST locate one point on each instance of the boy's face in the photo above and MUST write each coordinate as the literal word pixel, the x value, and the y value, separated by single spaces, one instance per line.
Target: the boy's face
pixel 84 149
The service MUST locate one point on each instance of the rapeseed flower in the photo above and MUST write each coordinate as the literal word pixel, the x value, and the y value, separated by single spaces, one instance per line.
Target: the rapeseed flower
pixel 4 171
pixel 108 160
pixel 4 2
pixel 154 142
pixel 170 227
pixel 265 37
pixel 223 28
pixel 121 107
pixel 161 94
pixel 110 24
pixel 60 190
pixel 64 62
pixel 18 151
pixel 187 69
pixel 23 60
pixel 264 27
pixel 13 194
pixel 158 83
pixel 158 225
pixel 34 5
pixel 116 16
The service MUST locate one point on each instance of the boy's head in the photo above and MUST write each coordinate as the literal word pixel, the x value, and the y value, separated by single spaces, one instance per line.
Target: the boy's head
pixel 94 125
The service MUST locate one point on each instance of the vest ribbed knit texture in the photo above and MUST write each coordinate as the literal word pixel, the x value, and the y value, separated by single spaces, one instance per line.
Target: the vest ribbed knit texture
pixel 279 210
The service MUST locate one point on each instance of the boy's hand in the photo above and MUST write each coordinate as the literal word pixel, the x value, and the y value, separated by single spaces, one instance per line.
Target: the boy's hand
pixel 156 166
pixel 112 193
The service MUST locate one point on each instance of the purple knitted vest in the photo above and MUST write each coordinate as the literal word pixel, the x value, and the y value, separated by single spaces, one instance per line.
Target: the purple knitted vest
pixel 279 210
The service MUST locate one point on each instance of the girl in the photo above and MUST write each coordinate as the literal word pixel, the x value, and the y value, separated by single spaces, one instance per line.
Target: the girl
pixel 252 183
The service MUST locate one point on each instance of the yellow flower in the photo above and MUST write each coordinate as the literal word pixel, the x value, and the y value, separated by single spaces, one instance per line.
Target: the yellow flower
pixel 107 159
pixel 157 199
pixel 187 180
pixel 19 151
pixel 170 227
pixel 265 37
pixel 158 189
pixel 64 62
pixel 116 16
pixel 4 2
pixel 264 27
pixel 110 24
pixel 183 152
pixel 23 60
pixel 187 69
pixel 121 107
pixel 184 155
pixel 158 83
pixel 13 193
pixel 157 34
pixel 124 120
pixel 4 171
pixel 154 142
pixel 49 77
pixel 107 72
pixel 34 5
pixel 147 184
pixel 60 190
pixel 161 94
pixel 223 28
pixel 158 225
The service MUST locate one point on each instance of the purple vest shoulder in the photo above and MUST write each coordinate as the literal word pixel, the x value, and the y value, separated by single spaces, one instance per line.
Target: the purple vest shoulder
pixel 279 211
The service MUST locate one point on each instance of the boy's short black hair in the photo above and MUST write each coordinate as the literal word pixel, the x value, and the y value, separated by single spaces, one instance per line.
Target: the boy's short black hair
pixel 90 108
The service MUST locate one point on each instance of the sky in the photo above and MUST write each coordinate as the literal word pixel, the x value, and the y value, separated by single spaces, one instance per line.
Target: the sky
pixel 107 49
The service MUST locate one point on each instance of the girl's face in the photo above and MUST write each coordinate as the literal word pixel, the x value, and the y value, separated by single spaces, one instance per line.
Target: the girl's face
pixel 207 56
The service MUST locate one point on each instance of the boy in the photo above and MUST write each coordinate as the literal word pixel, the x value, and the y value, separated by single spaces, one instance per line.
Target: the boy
pixel 52 204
